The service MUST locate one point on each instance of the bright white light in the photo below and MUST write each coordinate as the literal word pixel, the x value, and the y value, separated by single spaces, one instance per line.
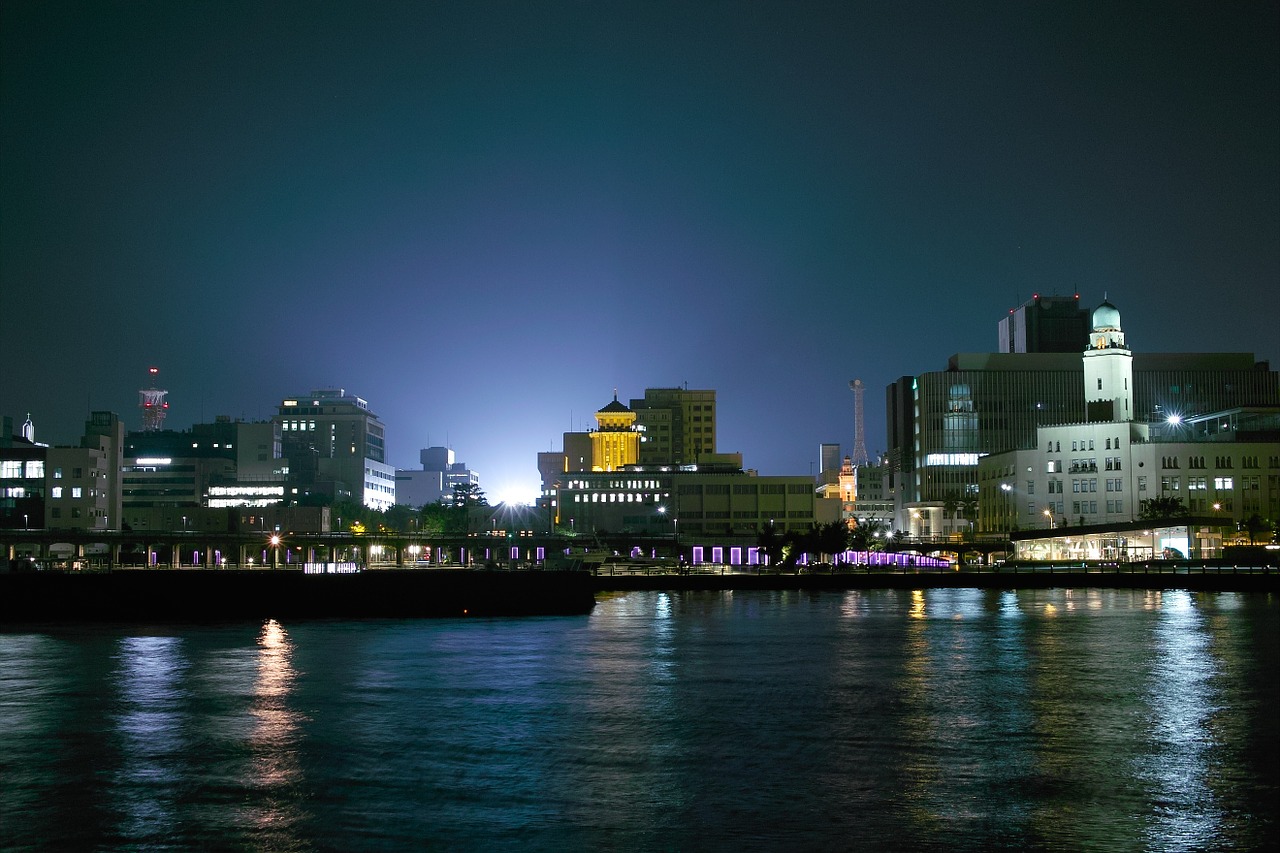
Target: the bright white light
pixel 515 494
pixel 1175 419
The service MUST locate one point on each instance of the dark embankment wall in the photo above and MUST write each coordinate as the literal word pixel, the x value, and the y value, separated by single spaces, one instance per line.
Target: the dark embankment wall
pixel 192 595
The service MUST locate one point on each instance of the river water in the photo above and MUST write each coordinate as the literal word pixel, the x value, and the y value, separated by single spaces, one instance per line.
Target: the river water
pixel 861 720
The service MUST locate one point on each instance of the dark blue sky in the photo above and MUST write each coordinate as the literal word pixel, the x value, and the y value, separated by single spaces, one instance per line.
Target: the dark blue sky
pixel 485 217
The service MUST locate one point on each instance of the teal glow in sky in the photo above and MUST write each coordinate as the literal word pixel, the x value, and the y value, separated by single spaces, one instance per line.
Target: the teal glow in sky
pixel 483 218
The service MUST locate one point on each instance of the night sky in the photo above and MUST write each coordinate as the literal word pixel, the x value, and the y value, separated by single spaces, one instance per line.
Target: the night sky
pixel 485 217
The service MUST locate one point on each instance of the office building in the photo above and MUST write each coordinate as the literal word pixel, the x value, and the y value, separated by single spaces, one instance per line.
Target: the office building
pixel 1045 324
pixel 829 463
pixel 336 449
pixel 675 425
pixel 441 477
pixel 1089 479
pixel 940 424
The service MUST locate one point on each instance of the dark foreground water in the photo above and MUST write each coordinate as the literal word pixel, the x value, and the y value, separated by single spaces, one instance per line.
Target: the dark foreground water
pixel 941 719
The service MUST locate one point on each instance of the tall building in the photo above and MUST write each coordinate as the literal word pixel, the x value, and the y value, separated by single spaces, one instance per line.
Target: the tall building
pixel 336 449
pixel 940 424
pixel 1045 324
pixel 675 424
pixel 828 464
pixel 1093 475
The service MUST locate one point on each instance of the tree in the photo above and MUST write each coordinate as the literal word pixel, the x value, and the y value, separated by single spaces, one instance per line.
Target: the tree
pixel 1257 527
pixel 968 506
pixel 469 495
pixel 951 507
pixel 869 535
pixel 1161 508
pixel 772 543
pixel 398 518
pixel 833 538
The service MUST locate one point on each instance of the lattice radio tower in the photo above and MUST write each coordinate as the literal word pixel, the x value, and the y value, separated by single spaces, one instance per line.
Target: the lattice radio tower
pixel 151 402
pixel 859 431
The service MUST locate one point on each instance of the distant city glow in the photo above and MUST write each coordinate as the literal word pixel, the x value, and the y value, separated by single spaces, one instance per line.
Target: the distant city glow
pixel 522 494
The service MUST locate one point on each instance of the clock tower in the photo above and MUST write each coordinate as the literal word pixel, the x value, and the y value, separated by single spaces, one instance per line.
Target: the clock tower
pixel 1108 369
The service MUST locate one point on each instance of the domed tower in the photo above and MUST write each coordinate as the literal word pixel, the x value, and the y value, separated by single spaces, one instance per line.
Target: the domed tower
pixel 1108 369
pixel 615 442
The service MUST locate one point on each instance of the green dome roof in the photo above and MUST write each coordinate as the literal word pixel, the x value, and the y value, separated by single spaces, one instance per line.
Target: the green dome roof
pixel 1106 316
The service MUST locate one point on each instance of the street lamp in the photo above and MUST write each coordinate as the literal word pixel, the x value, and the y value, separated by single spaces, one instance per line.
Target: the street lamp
pixel 1048 513
pixel 275 550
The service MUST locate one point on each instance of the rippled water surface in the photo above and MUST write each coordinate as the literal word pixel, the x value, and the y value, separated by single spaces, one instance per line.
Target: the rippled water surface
pixel 883 720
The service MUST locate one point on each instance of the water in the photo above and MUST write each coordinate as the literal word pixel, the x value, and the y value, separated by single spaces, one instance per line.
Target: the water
pixel 882 720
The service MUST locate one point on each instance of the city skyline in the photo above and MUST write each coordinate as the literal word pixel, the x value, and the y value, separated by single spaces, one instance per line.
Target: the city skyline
pixel 483 220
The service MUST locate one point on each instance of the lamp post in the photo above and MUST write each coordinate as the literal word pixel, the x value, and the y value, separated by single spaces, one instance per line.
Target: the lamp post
pixel 1048 513
pixel 275 550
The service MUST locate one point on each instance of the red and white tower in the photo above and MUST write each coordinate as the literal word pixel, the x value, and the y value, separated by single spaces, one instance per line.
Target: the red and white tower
pixel 152 403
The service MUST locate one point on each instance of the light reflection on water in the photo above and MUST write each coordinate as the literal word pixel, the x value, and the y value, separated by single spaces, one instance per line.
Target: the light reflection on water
pixel 151 735
pixel 940 719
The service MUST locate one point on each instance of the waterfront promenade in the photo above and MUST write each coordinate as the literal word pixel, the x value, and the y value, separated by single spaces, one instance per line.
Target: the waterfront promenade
pixel 1199 576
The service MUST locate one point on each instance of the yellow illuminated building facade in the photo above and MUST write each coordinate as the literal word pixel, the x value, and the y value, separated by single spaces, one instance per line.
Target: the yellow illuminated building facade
pixel 614 442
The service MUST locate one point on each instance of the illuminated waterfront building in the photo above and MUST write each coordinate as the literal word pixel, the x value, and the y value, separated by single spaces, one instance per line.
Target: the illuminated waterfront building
pixel 939 425
pixel 1093 474
pixel 615 442
pixel 712 502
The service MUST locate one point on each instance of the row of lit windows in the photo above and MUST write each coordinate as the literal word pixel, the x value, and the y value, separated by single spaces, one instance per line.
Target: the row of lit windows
pixel 16 469
pixel 1173 484
pixel 615 497
pixel 76 492
pixel 614 484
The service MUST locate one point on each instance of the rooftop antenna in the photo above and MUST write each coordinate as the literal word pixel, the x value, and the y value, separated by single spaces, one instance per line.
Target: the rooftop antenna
pixel 859 432
pixel 152 403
